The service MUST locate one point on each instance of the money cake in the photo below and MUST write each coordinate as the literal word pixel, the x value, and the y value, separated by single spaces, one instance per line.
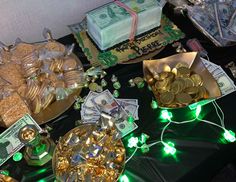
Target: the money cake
pixel 111 24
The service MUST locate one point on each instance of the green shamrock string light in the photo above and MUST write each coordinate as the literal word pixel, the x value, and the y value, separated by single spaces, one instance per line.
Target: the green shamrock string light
pixel 123 178
pixel 17 156
pixel 133 142
pixel 166 116
pixel 169 148
pixel 229 136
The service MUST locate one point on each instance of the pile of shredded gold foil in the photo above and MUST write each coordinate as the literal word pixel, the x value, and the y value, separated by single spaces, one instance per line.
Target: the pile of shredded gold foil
pixel 89 153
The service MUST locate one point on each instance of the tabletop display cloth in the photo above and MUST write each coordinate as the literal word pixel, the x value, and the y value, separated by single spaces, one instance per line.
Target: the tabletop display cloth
pixel 144 44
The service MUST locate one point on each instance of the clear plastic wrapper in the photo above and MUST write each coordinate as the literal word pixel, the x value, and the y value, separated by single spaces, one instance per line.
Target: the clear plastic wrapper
pixel 21 50
pixel 5 54
pixel 37 74
pixel 69 63
pixel 61 93
pixel 30 65
pixel 74 79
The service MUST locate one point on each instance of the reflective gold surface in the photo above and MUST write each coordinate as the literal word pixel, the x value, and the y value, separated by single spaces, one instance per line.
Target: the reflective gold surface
pixel 89 153
pixel 153 68
pixel 4 178
pixel 58 107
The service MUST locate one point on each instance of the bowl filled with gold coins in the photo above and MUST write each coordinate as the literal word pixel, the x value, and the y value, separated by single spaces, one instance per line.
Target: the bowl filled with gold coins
pixel 180 80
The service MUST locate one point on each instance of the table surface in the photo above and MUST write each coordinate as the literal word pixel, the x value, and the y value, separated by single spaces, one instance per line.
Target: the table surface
pixel 200 154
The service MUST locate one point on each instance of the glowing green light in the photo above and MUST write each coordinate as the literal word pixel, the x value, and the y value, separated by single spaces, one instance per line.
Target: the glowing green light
pixel 166 115
pixel 169 148
pixel 4 172
pixel 145 148
pixel 131 119
pixel 198 110
pixel 17 156
pixel 42 180
pixel 143 138
pixel 132 142
pixel 123 178
pixel 154 104
pixel 229 136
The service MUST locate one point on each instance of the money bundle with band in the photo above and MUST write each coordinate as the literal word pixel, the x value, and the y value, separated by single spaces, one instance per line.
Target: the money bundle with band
pixel 112 23
pixel 217 20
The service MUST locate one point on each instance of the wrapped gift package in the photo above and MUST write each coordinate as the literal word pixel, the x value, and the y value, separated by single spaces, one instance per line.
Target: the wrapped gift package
pixel 111 24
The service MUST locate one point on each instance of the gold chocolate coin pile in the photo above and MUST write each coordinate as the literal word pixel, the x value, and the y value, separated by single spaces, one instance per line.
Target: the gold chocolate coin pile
pixel 177 87
pixel 89 153
pixel 39 73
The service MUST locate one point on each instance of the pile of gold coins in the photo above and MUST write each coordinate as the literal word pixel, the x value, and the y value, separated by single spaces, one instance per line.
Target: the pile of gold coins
pixel 89 153
pixel 177 87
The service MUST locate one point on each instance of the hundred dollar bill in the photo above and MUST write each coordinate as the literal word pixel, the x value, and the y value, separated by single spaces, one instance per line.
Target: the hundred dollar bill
pixel 105 102
pixel 9 141
pixel 77 27
pixel 206 24
pixel 232 22
pixel 131 101
pixel 130 108
pixel 225 83
pixel 223 12
pixel 88 104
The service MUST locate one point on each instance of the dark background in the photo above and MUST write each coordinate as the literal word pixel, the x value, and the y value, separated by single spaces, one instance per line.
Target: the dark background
pixel 201 154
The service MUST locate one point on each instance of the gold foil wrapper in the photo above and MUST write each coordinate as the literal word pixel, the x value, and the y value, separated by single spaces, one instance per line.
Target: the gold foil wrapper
pixel 89 153
pixel 156 73
pixel 4 178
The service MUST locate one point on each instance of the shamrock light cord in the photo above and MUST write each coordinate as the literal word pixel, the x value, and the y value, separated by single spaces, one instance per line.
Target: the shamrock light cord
pixel 222 118
pixel 169 146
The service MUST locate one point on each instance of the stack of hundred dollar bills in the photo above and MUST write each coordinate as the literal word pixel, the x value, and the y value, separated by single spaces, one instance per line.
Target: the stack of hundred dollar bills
pixel 110 24
pixel 217 20
pixel 120 109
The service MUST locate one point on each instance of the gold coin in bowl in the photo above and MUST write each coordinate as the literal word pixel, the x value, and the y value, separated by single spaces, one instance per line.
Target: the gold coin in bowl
pixel 183 98
pixel 197 79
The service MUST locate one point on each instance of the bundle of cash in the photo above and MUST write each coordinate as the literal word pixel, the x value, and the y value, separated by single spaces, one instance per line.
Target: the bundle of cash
pixel 111 24
pixel 217 20
pixel 9 140
pixel 120 109
pixel 225 83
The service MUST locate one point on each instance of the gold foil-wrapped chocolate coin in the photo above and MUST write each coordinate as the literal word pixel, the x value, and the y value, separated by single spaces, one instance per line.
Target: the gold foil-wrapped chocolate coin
pixel 183 72
pixel 4 178
pixel 177 86
pixel 197 79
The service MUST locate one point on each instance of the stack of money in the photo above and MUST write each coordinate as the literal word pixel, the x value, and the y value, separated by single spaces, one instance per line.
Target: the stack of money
pixel 178 87
pixel 226 84
pixel 111 24
pixel 217 20
pixel 104 102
